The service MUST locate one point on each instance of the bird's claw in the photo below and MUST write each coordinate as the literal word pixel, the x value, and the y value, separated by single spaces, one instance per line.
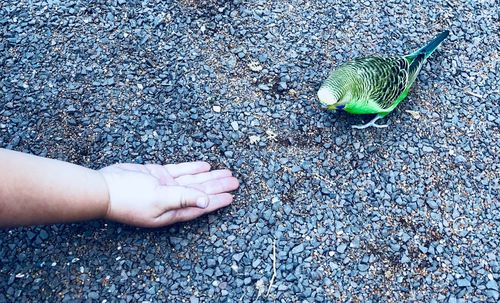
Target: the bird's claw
pixel 371 123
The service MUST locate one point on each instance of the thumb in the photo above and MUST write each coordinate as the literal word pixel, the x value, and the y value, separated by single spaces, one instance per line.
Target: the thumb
pixel 175 197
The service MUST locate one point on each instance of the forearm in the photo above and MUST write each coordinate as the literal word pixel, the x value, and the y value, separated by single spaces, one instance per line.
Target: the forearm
pixel 35 190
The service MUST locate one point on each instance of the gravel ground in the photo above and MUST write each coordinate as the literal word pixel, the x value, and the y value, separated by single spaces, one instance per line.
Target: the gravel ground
pixel 408 213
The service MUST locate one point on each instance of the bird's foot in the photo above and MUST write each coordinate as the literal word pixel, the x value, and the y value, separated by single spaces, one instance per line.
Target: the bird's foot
pixel 371 123
pixel 368 125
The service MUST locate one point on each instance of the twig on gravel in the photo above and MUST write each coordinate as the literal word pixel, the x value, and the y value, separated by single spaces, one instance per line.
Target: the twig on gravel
pixel 468 92
pixel 330 182
pixel 274 268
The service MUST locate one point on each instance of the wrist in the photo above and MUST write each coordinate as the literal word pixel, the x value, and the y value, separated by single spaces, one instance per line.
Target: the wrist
pixel 106 197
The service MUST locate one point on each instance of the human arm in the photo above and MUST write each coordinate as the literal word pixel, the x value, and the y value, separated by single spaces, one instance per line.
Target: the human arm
pixel 36 190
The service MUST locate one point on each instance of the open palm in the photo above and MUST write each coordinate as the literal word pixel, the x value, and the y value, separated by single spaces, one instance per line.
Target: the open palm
pixel 155 195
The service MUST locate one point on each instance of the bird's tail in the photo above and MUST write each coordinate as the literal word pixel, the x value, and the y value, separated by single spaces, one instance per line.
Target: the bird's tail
pixel 430 47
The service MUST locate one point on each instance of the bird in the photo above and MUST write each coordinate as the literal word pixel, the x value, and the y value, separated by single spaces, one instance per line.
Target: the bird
pixel 374 84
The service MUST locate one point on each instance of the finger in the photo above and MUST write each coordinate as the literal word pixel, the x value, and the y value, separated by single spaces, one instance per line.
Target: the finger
pixel 176 197
pixel 187 168
pixel 217 186
pixel 203 177
pixel 190 213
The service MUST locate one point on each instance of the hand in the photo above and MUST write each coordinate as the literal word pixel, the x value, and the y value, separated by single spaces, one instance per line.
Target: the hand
pixel 154 195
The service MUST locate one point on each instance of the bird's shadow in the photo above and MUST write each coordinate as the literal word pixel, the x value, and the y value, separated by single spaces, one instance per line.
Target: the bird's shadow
pixel 342 120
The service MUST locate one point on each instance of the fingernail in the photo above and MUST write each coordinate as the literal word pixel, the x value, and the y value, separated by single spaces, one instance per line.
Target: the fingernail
pixel 202 202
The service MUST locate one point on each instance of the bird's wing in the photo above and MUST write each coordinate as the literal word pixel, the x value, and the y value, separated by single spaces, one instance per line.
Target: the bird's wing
pixel 382 80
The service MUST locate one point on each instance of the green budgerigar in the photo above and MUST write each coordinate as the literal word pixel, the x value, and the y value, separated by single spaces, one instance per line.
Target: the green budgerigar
pixel 374 85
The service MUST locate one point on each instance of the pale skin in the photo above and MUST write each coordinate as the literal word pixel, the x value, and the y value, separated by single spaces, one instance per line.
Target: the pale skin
pixel 36 190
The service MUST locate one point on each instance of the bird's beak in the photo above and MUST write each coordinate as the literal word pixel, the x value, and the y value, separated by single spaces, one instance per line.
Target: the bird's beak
pixel 323 106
